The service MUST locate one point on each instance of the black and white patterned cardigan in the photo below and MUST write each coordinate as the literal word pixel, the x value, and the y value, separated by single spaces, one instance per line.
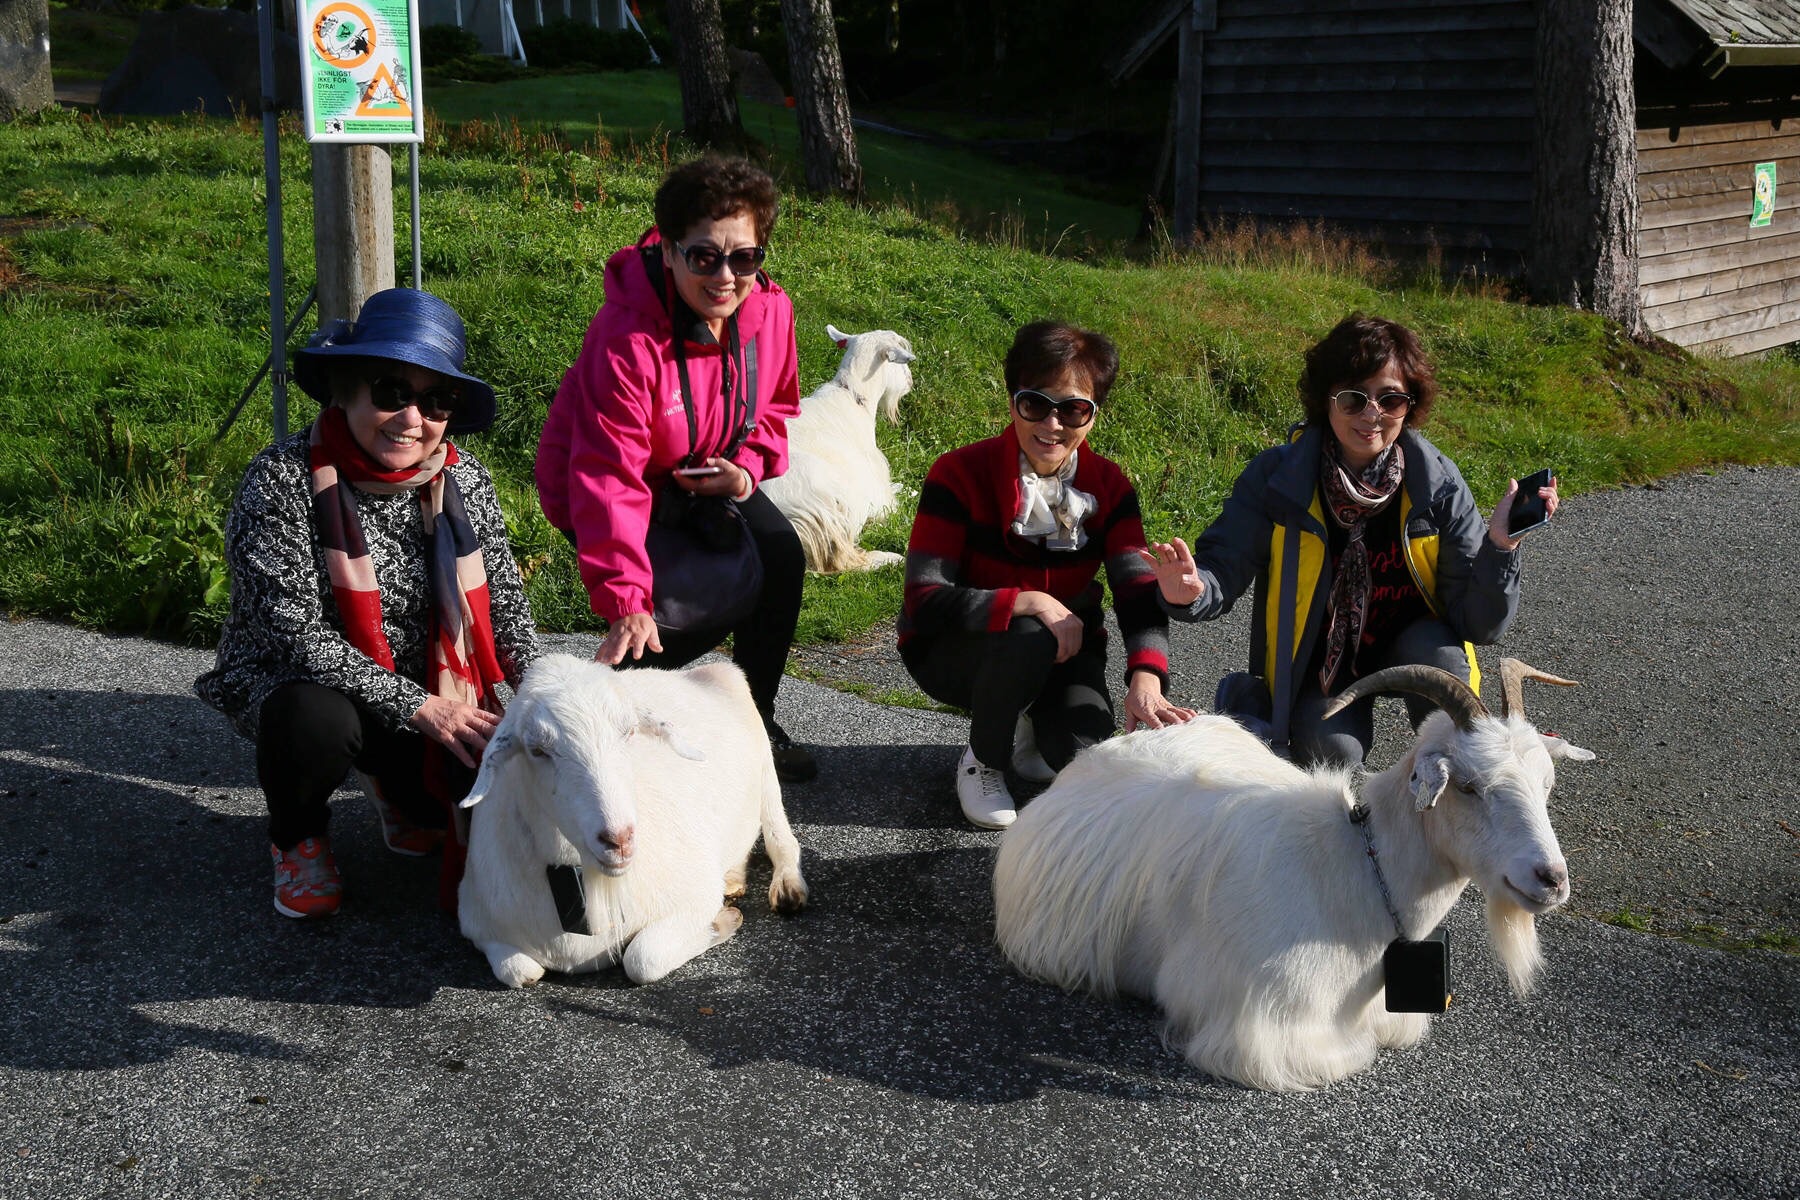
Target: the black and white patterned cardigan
pixel 283 626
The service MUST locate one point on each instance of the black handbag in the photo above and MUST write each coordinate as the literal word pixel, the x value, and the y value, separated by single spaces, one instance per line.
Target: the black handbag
pixel 706 571
pixel 708 574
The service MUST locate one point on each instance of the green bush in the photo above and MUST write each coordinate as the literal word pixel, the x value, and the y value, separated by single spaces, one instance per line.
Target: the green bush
pixel 567 43
pixel 439 44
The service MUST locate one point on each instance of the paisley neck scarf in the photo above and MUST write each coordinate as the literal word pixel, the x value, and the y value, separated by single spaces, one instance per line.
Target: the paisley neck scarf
pixel 1352 498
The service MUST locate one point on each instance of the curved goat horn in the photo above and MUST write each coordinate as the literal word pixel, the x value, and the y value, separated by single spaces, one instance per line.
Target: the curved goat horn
pixel 1513 673
pixel 1434 683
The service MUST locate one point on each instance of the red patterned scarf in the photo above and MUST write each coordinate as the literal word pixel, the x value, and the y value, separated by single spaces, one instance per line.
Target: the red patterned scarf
pixel 462 664
pixel 1352 498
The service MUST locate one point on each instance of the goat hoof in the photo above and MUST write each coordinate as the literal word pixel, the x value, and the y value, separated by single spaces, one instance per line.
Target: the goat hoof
pixel 787 894
pixel 728 922
pixel 735 885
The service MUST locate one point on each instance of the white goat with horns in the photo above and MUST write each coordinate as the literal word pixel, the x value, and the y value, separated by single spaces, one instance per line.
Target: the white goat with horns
pixel 602 822
pixel 1194 867
pixel 837 479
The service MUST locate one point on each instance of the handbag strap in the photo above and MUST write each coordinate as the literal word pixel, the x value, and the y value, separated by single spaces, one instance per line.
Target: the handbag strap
pixel 740 364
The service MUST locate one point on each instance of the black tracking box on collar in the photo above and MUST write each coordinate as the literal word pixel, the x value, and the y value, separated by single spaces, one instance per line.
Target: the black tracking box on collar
pixel 1417 974
pixel 570 896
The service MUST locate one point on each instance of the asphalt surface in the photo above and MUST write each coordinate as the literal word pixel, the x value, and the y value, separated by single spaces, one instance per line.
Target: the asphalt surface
pixel 164 1033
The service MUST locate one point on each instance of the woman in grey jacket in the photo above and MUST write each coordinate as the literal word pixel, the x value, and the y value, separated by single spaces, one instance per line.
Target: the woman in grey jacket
pixel 1364 546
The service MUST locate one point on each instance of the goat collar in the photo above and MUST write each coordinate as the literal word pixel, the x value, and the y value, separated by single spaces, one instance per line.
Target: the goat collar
pixel 1359 817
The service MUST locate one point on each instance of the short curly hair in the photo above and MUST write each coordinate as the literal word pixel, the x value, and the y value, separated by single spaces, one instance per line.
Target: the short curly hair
pixel 715 187
pixel 1361 346
pixel 1044 349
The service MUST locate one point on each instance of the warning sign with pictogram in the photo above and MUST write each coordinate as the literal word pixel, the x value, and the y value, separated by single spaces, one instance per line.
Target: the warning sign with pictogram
pixel 359 69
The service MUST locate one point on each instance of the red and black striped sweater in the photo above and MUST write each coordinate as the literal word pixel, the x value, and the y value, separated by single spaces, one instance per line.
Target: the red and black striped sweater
pixel 965 566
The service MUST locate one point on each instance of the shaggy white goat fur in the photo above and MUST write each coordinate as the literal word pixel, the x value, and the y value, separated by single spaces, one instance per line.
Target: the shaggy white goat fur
pixel 654 785
pixel 1193 867
pixel 837 479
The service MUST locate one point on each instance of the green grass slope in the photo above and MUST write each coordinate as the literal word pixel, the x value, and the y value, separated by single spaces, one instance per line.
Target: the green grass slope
pixel 133 309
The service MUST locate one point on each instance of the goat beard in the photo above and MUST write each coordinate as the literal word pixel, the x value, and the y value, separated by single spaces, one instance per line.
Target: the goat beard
pixel 1513 932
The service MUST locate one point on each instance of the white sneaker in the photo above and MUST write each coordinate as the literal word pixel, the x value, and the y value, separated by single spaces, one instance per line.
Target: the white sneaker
pixel 1025 757
pixel 981 790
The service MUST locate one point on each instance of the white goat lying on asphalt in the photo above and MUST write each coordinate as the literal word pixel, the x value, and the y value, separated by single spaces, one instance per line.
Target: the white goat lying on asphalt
pixel 652 786
pixel 1192 866
pixel 837 479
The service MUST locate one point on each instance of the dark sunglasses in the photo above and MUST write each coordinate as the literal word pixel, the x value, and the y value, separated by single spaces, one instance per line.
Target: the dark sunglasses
pixel 1033 405
pixel 1351 402
pixel 438 402
pixel 705 260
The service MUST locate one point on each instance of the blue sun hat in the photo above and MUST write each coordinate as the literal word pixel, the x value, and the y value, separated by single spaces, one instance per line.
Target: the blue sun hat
pixel 406 326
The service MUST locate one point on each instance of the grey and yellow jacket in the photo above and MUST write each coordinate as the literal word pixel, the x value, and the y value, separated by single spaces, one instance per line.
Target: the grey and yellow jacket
pixel 1272 533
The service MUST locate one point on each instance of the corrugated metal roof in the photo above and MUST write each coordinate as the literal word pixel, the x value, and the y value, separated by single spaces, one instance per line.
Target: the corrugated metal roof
pixel 1745 22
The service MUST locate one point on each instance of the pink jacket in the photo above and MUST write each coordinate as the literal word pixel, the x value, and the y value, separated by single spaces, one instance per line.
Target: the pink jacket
pixel 617 426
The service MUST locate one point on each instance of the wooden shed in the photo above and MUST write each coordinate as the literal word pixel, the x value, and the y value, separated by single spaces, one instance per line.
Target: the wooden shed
pixel 1411 122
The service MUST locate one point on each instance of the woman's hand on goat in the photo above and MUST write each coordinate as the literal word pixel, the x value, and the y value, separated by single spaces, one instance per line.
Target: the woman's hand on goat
pixel 1057 618
pixel 1176 575
pixel 1146 707
pixel 1497 524
pixel 731 480
pixel 460 728
pixel 631 634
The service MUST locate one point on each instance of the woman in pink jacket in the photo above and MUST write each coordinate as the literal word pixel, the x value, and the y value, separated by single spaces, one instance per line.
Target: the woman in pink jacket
pixel 688 310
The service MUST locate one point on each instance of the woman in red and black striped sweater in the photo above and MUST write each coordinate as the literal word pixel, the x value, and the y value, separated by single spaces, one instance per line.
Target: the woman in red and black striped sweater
pixel 1002 613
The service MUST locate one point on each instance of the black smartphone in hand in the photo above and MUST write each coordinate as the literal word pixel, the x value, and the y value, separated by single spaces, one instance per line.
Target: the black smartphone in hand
pixel 1529 510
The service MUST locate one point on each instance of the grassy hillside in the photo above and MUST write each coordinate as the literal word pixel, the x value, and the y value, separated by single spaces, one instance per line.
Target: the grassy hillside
pixel 1030 207
pixel 133 304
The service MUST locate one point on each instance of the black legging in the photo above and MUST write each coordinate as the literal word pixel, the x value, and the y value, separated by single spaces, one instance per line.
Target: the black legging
pixel 760 642
pixel 309 736
pixel 997 676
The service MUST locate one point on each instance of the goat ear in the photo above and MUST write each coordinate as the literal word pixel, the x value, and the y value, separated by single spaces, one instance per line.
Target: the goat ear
pixel 652 725
pixel 837 335
pixel 498 752
pixel 1430 776
pixel 1559 748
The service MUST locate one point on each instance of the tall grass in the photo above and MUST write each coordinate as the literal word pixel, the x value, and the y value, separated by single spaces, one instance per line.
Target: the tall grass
pixel 133 308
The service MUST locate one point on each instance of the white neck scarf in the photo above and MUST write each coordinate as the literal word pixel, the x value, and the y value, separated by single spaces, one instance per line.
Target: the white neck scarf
pixel 1054 508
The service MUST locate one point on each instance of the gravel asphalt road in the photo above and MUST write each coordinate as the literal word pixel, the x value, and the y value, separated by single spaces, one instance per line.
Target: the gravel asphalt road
pixel 165 1033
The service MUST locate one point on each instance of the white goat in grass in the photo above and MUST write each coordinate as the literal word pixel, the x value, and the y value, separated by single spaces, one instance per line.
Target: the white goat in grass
pixel 837 479
pixel 1193 867
pixel 652 785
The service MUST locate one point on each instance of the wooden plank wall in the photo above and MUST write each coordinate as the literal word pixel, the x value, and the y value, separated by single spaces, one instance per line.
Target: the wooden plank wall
pixel 1708 281
pixel 1406 119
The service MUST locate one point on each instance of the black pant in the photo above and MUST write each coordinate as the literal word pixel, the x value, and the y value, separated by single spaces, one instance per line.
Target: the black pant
pixel 997 676
pixel 308 738
pixel 760 642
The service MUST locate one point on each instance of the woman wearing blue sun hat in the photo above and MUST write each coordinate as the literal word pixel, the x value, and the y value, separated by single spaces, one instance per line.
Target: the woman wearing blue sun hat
pixel 375 602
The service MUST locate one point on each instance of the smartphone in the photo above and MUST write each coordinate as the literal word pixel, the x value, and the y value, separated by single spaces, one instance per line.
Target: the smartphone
pixel 698 470
pixel 1529 510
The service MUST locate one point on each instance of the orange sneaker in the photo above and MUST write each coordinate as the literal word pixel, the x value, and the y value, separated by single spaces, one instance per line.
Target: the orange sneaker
pixel 307 883
pixel 401 834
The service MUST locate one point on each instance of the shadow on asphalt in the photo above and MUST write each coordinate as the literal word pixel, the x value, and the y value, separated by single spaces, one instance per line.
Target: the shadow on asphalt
pixel 141 886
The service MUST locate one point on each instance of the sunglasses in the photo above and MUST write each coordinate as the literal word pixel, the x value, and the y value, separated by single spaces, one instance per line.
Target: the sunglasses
pixel 1351 402
pixel 439 402
pixel 1033 405
pixel 705 260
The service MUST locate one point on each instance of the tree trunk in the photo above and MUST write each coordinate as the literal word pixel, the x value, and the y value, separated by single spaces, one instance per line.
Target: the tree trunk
pixel 827 139
pixel 709 111
pixel 1584 211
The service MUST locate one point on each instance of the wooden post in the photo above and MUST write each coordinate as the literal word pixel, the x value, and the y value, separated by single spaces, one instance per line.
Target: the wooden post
pixel 353 226
pixel 1194 25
